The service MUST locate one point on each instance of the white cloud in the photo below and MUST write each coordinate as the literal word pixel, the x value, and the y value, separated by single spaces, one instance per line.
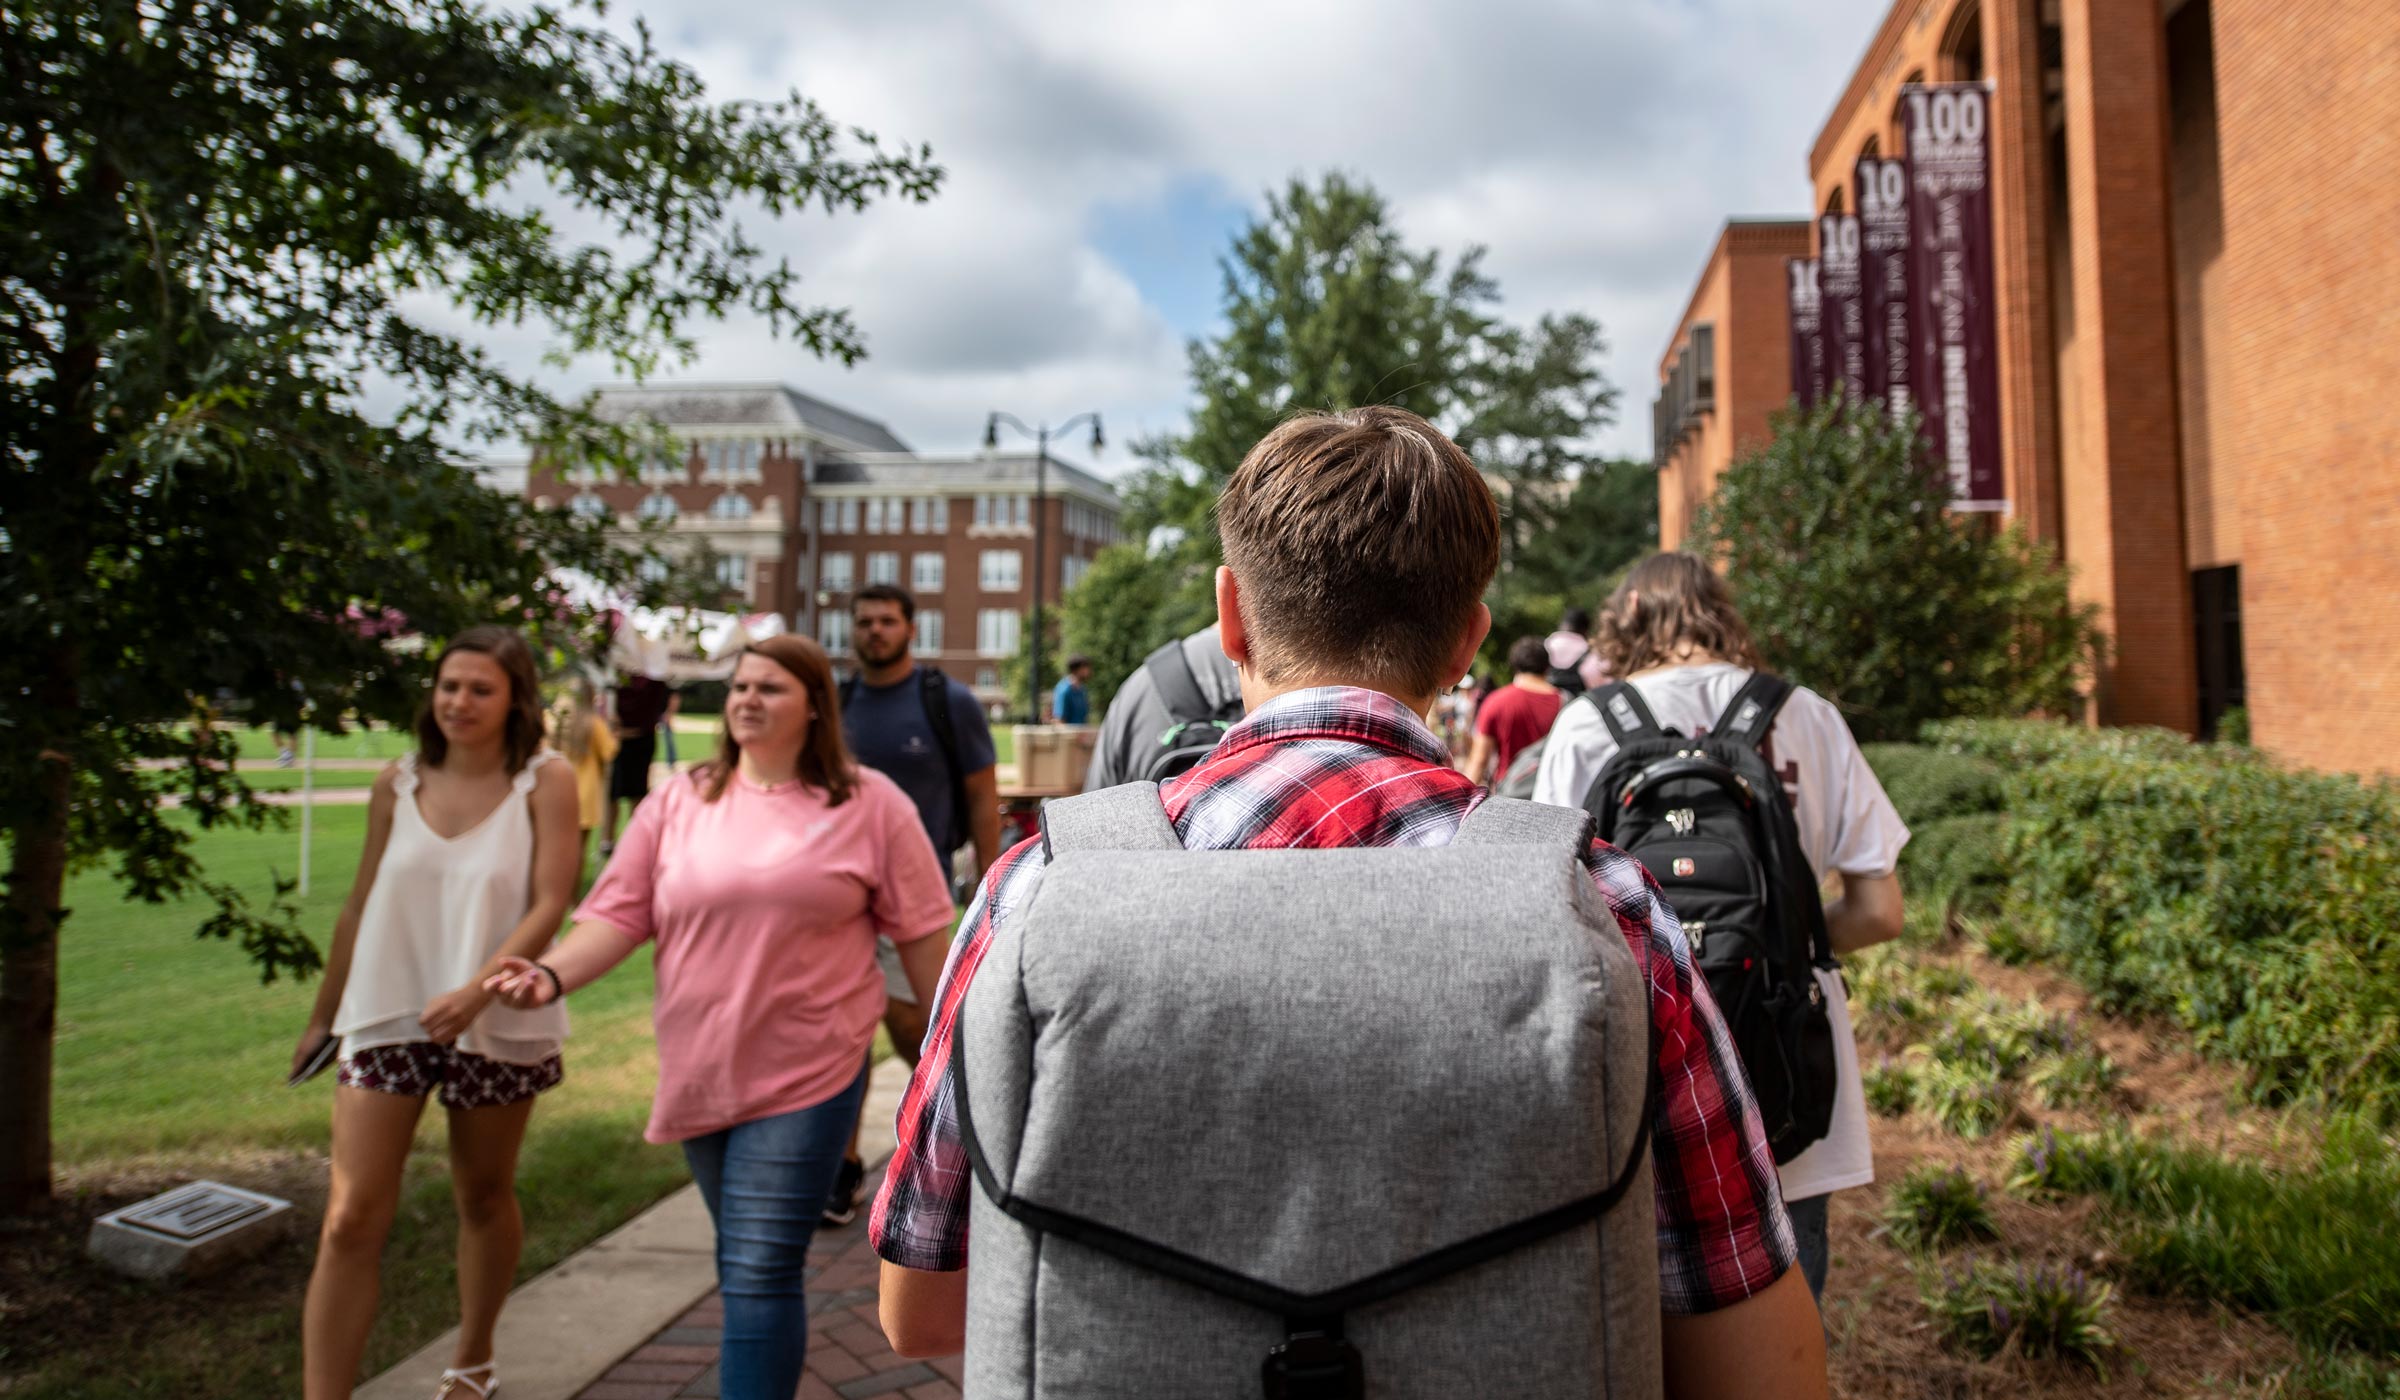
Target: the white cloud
pixel 1594 149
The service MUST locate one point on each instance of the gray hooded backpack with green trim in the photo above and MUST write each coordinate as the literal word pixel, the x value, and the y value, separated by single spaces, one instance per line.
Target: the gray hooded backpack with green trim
pixel 1309 1124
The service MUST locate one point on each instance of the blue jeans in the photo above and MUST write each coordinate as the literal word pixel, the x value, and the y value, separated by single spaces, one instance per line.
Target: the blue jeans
pixel 1808 1225
pixel 766 1182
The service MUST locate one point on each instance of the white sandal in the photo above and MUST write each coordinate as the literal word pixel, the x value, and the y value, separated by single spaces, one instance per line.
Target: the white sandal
pixel 465 1376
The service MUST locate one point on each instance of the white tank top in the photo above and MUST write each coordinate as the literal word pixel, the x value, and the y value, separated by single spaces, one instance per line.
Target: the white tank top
pixel 437 912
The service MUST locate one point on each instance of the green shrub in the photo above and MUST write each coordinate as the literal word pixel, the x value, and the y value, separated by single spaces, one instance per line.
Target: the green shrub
pixel 1858 581
pixel 2048 1310
pixel 1968 1098
pixel 2074 1078
pixel 2254 905
pixel 1957 864
pixel 2001 1036
pixel 1927 784
pixel 1933 1209
pixel 2313 1246
pixel 2233 726
pixel 1891 1088
pixel 2337 1375
pixel 2013 941
pixel 2018 744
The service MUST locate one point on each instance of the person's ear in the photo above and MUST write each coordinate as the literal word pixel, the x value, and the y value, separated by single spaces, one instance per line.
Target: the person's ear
pixel 1462 656
pixel 1230 634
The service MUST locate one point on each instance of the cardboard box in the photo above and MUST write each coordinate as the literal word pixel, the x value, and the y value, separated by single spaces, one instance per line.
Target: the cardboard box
pixel 1053 757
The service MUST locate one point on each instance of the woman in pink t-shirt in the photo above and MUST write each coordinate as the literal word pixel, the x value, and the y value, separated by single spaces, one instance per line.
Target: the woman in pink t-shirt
pixel 763 879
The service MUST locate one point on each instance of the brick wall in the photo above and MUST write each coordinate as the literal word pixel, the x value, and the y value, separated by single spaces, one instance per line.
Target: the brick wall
pixel 1744 294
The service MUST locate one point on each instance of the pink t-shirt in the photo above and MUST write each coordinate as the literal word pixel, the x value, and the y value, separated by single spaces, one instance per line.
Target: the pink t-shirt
pixel 765 906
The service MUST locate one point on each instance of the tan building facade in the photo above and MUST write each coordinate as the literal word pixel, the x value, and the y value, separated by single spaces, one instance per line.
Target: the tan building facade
pixel 804 504
pixel 1728 366
pixel 2198 316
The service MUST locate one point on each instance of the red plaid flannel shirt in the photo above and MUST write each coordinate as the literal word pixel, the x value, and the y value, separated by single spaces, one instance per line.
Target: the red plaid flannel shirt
pixel 1342 767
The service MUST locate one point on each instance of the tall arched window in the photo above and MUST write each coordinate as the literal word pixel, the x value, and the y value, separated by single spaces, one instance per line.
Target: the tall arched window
pixel 1962 45
pixel 587 504
pixel 733 505
pixel 658 505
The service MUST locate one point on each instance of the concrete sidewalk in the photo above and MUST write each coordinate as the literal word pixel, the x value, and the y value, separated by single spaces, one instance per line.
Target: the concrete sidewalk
pixel 568 1333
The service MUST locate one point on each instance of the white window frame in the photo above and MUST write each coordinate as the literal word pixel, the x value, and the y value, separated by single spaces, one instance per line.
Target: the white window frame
pixel 929 632
pixel 983 512
pixel 652 570
pixel 849 515
pixel 733 505
pixel 1001 570
pixel 926 570
pixel 829 517
pixel 658 505
pixel 588 504
pixel 883 566
pixel 996 632
pixel 874 524
pixel 834 574
pixel 833 630
pixel 733 570
pixel 941 515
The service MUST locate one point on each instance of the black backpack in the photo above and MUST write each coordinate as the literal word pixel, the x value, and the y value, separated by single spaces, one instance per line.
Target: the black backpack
pixel 1569 678
pixel 933 691
pixel 1708 818
pixel 1196 725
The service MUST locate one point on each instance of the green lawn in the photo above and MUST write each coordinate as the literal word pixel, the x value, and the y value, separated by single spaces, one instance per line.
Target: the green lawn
pixel 171 1058
pixel 257 741
pixel 288 779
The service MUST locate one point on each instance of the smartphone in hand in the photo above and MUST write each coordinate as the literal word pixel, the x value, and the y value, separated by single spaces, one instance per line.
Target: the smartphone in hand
pixel 318 1058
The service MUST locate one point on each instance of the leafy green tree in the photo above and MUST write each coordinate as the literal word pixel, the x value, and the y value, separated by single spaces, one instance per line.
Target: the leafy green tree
pixel 1566 545
pixel 1859 582
pixel 218 227
pixel 1327 307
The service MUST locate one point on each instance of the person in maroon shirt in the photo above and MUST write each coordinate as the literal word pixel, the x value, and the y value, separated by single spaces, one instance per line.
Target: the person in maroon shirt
pixel 1517 716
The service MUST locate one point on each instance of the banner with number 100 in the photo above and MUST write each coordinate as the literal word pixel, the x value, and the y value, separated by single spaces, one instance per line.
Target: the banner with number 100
pixel 1954 380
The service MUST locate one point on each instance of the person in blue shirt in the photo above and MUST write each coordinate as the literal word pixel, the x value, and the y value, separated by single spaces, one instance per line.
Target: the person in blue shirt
pixel 1071 701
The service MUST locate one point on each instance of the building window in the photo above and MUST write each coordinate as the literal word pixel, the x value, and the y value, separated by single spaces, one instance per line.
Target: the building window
pixel 836 574
pixel 883 567
pixel 829 517
pixel 875 515
pixel 983 511
pixel 651 570
pixel 850 516
pixel 733 505
pixel 987 678
pixel 733 570
pixel 1003 570
pixel 941 515
pixel 833 630
pixel 658 505
pixel 925 573
pixel 919 515
pixel 1071 571
pixel 588 504
pixel 996 632
pixel 1023 510
pixel 929 632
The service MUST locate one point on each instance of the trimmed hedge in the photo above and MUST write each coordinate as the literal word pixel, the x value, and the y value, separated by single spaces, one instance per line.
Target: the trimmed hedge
pixel 2257 905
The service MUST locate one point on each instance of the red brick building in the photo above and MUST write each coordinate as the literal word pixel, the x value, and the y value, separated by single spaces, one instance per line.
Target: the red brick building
pixel 1727 367
pixel 805 503
pixel 2198 321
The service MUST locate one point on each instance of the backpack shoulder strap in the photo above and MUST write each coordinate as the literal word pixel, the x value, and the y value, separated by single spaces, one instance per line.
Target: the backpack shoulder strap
pixel 1127 817
pixel 848 690
pixel 1178 689
pixel 1510 821
pixel 933 691
pixel 1625 713
pixel 1752 711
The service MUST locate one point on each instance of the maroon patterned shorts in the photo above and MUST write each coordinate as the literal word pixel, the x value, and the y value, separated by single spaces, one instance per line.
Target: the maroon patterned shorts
pixel 465 1080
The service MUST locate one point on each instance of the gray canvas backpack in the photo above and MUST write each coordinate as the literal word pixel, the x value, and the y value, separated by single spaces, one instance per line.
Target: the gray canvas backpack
pixel 1312 1124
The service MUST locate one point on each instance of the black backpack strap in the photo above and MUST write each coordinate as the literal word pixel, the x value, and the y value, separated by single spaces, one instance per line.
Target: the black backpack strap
pixel 848 690
pixel 1752 711
pixel 1178 687
pixel 933 689
pixel 1622 709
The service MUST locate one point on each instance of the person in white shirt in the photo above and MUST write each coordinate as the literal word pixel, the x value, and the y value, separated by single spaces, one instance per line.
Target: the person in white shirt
pixel 1672 631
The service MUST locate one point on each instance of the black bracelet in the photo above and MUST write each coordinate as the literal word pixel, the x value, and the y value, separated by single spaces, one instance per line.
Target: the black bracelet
pixel 555 985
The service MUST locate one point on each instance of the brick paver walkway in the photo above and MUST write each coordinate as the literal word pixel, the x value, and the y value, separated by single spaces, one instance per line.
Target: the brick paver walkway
pixel 847 1359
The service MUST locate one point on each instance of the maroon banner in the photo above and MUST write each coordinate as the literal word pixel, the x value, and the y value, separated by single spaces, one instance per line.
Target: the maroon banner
pixel 1845 310
pixel 1957 379
pixel 1809 368
pixel 1882 188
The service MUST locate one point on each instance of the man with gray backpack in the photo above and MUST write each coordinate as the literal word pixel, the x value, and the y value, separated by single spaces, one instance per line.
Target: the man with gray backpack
pixel 1314 1074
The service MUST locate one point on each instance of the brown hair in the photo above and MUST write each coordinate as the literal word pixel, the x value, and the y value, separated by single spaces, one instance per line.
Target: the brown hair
pixel 523 734
pixel 1527 656
pixel 887 593
pixel 1671 604
pixel 825 760
pixel 1362 539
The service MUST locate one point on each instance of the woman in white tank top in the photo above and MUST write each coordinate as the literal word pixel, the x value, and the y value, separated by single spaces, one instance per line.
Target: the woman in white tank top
pixel 471 856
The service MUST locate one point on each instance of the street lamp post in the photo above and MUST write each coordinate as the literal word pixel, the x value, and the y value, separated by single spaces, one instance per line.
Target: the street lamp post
pixel 1041 526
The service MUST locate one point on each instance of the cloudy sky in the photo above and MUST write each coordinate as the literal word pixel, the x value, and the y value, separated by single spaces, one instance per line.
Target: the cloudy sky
pixel 1100 154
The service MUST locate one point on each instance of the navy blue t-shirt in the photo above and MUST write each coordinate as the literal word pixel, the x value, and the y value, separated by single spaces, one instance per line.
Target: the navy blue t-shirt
pixel 888 732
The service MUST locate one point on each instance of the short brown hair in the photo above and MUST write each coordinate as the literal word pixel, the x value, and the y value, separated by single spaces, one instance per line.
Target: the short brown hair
pixel 825 762
pixel 522 735
pixel 887 593
pixel 1673 603
pixel 1362 538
